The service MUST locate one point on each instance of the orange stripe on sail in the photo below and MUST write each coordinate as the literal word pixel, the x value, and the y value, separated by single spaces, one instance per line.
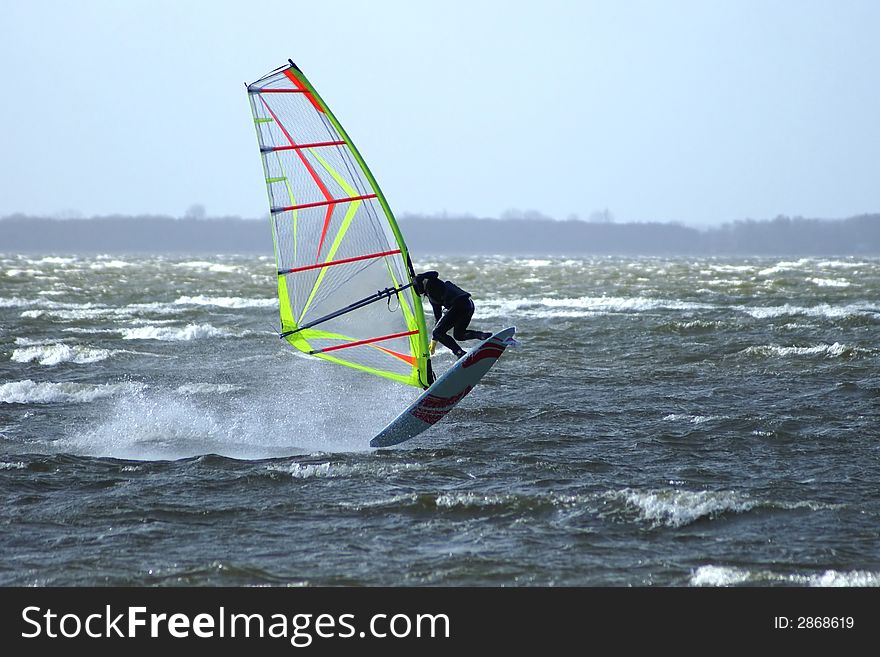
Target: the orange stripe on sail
pixel 407 359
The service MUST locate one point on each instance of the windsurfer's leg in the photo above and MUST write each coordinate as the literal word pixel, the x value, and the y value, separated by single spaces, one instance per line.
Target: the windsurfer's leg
pixel 439 333
pixel 464 314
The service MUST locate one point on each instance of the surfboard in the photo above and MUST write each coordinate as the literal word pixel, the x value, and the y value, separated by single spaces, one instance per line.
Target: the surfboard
pixel 442 396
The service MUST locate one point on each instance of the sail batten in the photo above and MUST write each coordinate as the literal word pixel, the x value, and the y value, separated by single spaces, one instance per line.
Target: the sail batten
pixel 336 239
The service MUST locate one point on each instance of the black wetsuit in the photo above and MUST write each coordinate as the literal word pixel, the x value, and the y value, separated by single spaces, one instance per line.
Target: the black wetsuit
pixel 459 310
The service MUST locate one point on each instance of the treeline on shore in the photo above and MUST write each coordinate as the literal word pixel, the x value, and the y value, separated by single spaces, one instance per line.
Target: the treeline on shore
pixel 858 235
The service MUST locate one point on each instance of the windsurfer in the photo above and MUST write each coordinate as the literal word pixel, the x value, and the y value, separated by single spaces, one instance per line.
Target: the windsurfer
pixel 459 308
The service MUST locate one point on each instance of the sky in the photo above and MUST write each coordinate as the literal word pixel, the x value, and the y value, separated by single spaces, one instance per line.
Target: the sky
pixel 694 111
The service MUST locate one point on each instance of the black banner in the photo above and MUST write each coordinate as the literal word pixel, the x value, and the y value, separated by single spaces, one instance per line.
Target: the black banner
pixel 403 620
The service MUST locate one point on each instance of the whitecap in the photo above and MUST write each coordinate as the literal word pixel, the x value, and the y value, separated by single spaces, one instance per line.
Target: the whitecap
pixel 677 508
pixel 32 392
pixel 784 265
pixel 712 575
pixel 821 310
pixel 214 267
pixel 719 576
pixel 226 302
pixel 173 334
pixel 111 264
pixel 54 354
pixel 828 350
pixel 829 282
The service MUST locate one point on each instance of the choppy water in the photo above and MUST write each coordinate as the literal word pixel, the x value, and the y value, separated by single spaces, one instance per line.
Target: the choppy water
pixel 675 422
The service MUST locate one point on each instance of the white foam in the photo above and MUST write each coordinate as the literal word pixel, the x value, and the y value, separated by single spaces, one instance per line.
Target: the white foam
pixel 676 508
pixel 472 500
pixel 226 302
pixel 840 264
pixel 207 388
pixel 729 576
pixel 850 578
pixel 214 267
pixel 694 419
pixel 727 282
pixel 110 264
pixel 829 282
pixel 16 465
pixel 16 302
pixel 732 269
pixel 784 265
pixel 308 471
pixel 31 392
pixel 54 354
pixel 331 470
pixel 172 424
pixel 719 576
pixel 820 310
pixel 174 334
pixel 828 350
pixel 580 306
pixel 52 260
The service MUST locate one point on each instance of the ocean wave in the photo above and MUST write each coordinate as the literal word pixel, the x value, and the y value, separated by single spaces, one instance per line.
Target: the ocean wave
pixel 15 465
pixel 32 392
pixel 731 269
pixel 694 419
pixel 52 260
pixel 109 264
pixel 726 282
pixel 226 302
pixel 785 265
pixel 54 354
pixel 829 282
pixel 332 470
pixel 174 334
pixel 582 306
pixel 16 302
pixel 841 264
pixel 214 267
pixel 820 310
pixel 677 508
pixel 470 501
pixel 730 576
pixel 835 350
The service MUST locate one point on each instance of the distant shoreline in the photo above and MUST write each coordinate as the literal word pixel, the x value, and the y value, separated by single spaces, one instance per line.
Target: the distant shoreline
pixel 858 235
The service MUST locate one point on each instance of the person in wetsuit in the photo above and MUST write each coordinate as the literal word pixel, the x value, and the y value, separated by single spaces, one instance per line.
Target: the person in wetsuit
pixel 459 310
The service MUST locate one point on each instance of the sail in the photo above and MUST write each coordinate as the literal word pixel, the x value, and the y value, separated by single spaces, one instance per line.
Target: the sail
pixel 344 273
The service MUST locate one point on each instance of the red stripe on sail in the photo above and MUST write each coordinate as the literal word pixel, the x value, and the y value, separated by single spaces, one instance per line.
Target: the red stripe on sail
pixel 330 201
pixel 301 87
pixel 340 262
pixel 297 147
pixel 358 343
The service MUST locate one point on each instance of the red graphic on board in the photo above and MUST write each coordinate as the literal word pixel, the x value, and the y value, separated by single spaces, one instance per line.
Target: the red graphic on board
pixel 488 350
pixel 433 408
